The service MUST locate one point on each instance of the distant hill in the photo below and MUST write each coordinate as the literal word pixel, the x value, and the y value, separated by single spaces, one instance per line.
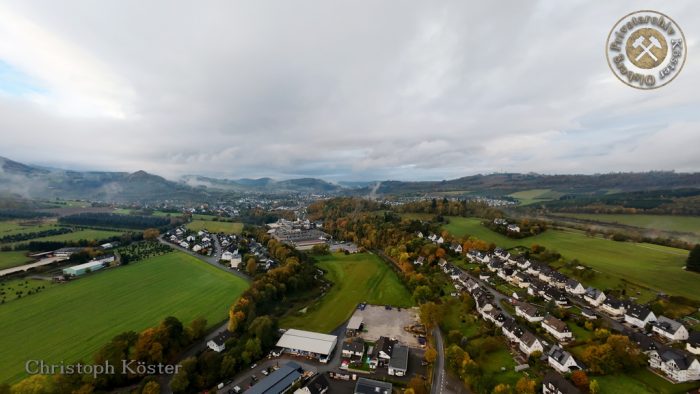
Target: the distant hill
pixel 504 184
pixel 264 185
pixel 29 181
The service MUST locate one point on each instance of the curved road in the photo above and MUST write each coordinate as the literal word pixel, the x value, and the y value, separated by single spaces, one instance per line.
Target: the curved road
pixel 439 367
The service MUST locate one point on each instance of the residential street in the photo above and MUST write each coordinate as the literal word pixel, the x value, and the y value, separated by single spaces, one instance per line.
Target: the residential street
pixel 213 259
pixel 439 367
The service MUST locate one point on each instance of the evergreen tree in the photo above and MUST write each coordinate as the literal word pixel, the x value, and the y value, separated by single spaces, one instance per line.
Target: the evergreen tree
pixel 693 263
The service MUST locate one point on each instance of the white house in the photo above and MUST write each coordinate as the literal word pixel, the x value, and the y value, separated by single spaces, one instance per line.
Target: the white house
pixel 574 287
pixel 419 261
pixel 197 248
pixel 528 312
pixel 218 343
pixel 613 307
pixel 561 360
pixel 594 296
pixel 185 245
pixel 693 344
pixel 353 348
pixel 528 343
pixel 639 316
pixel 675 364
pixel 513 228
pixel 557 328
pixel 670 329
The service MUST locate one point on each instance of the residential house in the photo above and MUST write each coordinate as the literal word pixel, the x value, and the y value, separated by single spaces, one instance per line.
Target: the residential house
pixel 557 328
pixel 398 364
pixel 553 294
pixel 501 253
pixel 554 383
pixel 594 296
pixel 521 280
pixel 513 228
pixel 419 261
pixel 613 307
pixel 440 241
pixel 574 287
pixel 588 314
pixel 639 315
pixel 644 343
pixel 670 329
pixel 353 348
pixel 528 312
pixel 559 280
pixel 561 360
pixel 675 364
pixel 495 316
pixel 218 343
pixel 693 344
pixel 456 247
pixel 528 343
pixel 370 386
pixel 522 263
pixel 381 353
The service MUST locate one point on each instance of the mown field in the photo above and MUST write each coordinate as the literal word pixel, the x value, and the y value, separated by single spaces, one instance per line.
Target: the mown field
pixel 216 226
pixel 642 381
pixel 88 234
pixel 71 321
pixel 686 224
pixel 12 227
pixel 356 278
pixel 653 266
pixel 13 259
pixel 532 196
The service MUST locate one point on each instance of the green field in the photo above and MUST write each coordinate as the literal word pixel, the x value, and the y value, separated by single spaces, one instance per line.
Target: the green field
pixel 12 227
pixel 71 321
pixel 642 381
pixel 653 266
pixel 356 278
pixel 13 259
pixel 532 196
pixel 686 224
pixel 215 226
pixel 90 235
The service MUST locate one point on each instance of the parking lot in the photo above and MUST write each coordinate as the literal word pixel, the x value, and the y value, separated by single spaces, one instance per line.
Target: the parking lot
pixel 378 321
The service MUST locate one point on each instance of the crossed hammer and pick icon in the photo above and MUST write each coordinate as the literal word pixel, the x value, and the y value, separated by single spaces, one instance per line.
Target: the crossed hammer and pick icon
pixel 646 49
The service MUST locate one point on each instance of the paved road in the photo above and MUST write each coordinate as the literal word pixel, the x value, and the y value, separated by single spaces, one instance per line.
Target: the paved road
pixel 212 260
pixel 25 267
pixel 497 295
pixel 439 367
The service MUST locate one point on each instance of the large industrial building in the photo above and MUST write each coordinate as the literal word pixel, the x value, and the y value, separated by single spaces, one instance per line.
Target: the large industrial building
pixel 307 343
pixel 81 269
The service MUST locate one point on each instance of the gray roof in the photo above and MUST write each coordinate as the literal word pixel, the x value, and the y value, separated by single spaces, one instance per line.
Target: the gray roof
pixel 560 383
pixel 278 381
pixel 694 339
pixel 399 358
pixel 559 354
pixel 638 311
pixel 668 325
pixel 370 386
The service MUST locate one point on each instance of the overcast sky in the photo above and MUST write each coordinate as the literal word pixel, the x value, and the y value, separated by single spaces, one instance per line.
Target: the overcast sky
pixel 339 90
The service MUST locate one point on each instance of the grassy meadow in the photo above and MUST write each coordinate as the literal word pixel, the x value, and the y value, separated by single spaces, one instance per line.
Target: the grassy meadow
pixel 648 265
pixel 71 321
pixel 88 234
pixel 356 278
pixel 216 226
pixel 13 259
pixel 532 196
pixel 685 224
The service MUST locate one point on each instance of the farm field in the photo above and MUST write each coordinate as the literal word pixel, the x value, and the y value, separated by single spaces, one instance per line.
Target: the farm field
pixel 216 226
pixel 532 196
pixel 417 216
pixel 71 321
pixel 356 278
pixel 653 266
pixel 12 227
pixel 686 224
pixel 13 259
pixel 78 235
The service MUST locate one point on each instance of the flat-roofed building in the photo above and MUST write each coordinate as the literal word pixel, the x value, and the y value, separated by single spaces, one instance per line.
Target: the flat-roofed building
pixel 308 343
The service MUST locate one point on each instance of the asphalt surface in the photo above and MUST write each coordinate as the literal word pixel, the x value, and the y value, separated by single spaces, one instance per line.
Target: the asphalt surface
pixel 439 367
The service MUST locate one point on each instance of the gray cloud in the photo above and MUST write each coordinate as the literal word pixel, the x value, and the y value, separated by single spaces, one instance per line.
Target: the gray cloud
pixel 340 90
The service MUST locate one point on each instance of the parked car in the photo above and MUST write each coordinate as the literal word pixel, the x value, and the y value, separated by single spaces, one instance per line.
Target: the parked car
pixel 264 372
pixel 253 366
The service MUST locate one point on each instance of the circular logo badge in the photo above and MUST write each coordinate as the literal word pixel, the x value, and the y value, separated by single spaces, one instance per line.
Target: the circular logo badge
pixel 646 49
